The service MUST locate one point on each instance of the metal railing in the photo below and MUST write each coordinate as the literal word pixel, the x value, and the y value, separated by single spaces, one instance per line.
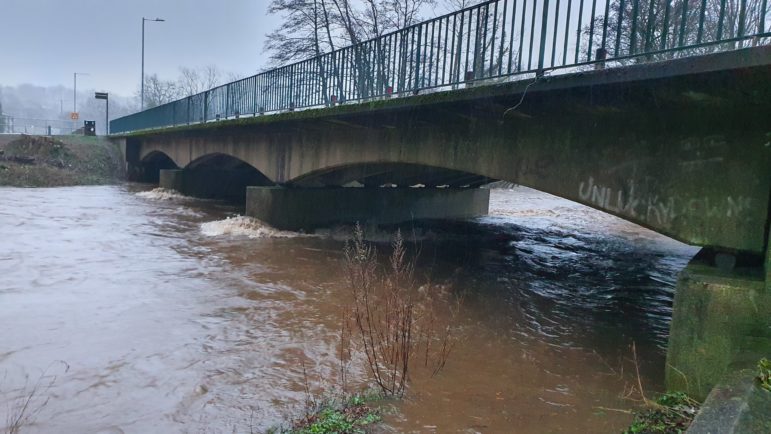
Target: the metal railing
pixel 493 41
pixel 16 125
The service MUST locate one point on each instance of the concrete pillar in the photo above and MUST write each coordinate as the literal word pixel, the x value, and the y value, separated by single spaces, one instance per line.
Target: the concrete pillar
pixel 171 179
pixel 307 208
pixel 211 183
pixel 721 322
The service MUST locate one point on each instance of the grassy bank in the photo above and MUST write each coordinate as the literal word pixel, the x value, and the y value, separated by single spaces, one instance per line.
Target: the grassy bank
pixel 42 161
pixel 342 415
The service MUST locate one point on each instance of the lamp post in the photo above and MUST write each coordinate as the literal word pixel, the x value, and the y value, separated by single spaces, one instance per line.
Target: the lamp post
pixel 106 97
pixel 142 104
pixel 74 114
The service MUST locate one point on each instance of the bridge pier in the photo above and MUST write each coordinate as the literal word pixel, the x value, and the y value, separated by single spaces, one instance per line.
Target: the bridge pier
pixel 172 179
pixel 308 208
pixel 227 184
pixel 721 322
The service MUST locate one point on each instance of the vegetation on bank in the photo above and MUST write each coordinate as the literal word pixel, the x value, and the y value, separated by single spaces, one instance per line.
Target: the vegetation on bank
pixel 764 374
pixel 390 324
pixel 345 415
pixel 670 413
pixel 43 161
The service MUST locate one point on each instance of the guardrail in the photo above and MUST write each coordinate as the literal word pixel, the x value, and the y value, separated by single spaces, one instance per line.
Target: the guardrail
pixel 493 41
pixel 16 125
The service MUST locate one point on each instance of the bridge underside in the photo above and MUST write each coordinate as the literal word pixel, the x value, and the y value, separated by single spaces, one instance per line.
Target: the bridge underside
pixel 681 147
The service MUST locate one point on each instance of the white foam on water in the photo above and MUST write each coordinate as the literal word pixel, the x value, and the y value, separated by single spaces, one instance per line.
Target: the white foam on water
pixel 372 233
pixel 162 194
pixel 244 226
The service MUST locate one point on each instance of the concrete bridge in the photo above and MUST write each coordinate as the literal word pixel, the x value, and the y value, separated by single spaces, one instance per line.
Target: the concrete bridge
pixel 681 146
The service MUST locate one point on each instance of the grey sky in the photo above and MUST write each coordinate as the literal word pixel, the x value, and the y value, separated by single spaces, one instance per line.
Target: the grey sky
pixel 44 41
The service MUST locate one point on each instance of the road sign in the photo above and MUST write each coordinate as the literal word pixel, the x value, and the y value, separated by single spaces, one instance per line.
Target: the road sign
pixel 74 116
pixel 100 95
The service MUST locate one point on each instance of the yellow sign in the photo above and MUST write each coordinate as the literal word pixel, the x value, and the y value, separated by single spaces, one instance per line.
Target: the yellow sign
pixel 74 116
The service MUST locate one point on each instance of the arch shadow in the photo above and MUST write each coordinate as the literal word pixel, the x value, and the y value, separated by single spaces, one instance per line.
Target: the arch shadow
pixel 378 174
pixel 222 176
pixel 149 168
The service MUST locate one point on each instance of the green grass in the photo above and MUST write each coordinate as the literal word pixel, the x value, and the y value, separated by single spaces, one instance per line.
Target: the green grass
pixel 764 374
pixel 350 416
pixel 671 413
pixel 330 420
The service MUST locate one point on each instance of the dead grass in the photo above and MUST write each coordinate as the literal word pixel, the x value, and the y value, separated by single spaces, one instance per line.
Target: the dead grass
pixel 667 413
pixel 39 161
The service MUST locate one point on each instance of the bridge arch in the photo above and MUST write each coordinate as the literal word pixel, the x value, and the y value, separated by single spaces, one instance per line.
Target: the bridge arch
pixel 223 162
pixel 150 166
pixel 219 175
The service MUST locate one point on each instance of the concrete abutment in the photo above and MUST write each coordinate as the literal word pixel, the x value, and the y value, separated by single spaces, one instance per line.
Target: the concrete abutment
pixel 308 208
pixel 721 322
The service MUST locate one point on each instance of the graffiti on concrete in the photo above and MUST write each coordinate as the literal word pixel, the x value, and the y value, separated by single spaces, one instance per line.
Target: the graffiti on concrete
pixel 657 210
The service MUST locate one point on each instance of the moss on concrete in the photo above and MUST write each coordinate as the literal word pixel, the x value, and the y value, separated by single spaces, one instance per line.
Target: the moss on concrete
pixel 721 322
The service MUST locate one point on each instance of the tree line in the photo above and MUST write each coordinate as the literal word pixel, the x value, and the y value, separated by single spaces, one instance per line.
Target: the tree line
pixel 190 81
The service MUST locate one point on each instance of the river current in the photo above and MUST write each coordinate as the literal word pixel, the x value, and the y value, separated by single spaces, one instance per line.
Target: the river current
pixel 131 311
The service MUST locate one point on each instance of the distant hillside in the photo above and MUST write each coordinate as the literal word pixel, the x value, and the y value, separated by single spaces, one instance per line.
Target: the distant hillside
pixel 32 107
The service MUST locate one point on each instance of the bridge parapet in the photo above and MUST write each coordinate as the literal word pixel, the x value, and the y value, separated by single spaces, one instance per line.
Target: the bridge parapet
pixel 492 42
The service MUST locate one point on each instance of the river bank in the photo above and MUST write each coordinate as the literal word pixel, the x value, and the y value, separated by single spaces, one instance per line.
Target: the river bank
pixel 56 161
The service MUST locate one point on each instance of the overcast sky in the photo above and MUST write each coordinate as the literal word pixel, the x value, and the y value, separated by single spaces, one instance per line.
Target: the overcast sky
pixel 44 42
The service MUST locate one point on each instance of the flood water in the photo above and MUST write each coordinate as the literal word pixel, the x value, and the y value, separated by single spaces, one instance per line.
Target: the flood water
pixel 144 313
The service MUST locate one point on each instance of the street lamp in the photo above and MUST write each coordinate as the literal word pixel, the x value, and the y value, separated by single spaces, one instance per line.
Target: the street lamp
pixel 142 104
pixel 106 97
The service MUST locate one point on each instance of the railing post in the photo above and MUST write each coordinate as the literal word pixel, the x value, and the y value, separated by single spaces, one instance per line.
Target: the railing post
pixel 542 48
pixel 600 57
pixel 417 61
pixel 227 100
pixel 188 109
pixel 255 97
pixel 205 106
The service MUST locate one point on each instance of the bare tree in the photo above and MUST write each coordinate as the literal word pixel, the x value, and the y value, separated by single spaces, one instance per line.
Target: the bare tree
pixel 195 80
pixel 314 27
pixel 159 91
pixel 309 28
pixel 306 32
pixel 644 27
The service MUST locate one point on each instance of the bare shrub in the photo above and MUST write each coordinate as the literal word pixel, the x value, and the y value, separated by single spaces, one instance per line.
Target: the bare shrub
pixel 31 400
pixel 394 319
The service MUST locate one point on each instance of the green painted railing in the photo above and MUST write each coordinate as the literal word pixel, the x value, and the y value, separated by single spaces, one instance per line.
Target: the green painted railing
pixel 493 41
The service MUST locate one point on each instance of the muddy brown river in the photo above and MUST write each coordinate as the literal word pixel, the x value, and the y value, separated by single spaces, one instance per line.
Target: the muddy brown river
pixel 141 312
